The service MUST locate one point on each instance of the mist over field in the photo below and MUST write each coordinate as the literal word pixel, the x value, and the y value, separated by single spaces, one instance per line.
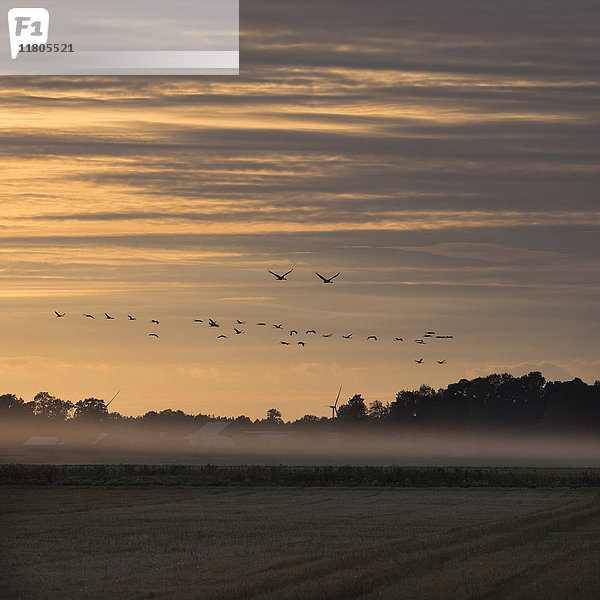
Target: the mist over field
pixel 87 444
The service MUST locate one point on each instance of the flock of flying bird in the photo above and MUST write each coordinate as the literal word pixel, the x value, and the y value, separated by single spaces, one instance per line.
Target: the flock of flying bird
pixel 279 326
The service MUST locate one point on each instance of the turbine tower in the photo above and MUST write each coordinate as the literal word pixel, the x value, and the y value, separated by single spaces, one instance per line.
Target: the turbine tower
pixel 333 407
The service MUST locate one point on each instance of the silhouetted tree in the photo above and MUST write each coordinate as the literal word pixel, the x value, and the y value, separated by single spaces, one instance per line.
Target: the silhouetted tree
pixel 377 410
pixel 572 405
pixel 90 409
pixel 201 419
pixel 310 423
pixel 14 407
pixel 353 412
pixel 51 408
pixel 274 416
pixel 404 408
pixel 167 417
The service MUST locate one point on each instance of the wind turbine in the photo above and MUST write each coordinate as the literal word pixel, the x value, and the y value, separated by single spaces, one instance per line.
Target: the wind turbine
pixel 107 405
pixel 333 407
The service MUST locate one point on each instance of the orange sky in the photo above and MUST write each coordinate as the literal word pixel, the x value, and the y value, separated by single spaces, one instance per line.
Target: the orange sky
pixel 449 173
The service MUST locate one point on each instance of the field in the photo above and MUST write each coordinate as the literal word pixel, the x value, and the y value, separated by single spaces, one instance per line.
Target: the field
pixel 206 542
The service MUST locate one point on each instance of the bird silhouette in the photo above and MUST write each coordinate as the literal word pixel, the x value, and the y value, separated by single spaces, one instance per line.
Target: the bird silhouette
pixel 293 332
pixel 440 362
pixel 108 316
pixel 154 321
pixel 419 341
pixel 59 315
pixel 198 321
pixel 327 335
pixel 300 343
pixel 261 324
pixel 398 339
pixel 310 331
pixel 372 337
pixel 212 323
pixel 153 335
pixel 237 331
pixel 89 316
pixel 240 322
pixel 326 279
pixel 419 362
pixel 347 337
pixel 285 343
pixel 131 318
pixel 281 277
pixel 430 332
pixel 278 326
pixel 221 336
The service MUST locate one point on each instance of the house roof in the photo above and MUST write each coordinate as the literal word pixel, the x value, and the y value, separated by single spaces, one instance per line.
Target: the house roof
pixel 211 429
pixel 43 440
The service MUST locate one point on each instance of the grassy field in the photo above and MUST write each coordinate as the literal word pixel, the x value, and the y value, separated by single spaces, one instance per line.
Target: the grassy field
pixel 206 543
pixel 297 476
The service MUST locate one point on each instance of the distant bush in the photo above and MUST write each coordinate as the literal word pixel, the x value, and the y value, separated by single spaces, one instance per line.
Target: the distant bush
pixel 323 476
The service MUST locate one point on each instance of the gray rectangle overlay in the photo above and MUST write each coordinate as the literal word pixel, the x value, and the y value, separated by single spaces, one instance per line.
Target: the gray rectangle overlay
pixel 135 37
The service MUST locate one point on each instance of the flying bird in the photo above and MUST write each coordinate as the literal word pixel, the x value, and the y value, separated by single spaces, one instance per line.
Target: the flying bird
pixel 58 315
pixel 131 318
pixel 261 323
pixel 419 362
pixel 240 322
pixel 281 277
pixel 153 335
pixel 430 332
pixel 347 337
pixel 89 316
pixel 221 336
pixel 419 341
pixel 326 279
pixel 108 316
pixel 237 331
pixel 310 331
pixel 327 334
pixel 198 321
pixel 212 323
pixel 154 321
pixel 398 339
pixel 372 337
pixel 278 326
pixel 300 343
pixel 293 332
pixel 440 362
pixel 285 343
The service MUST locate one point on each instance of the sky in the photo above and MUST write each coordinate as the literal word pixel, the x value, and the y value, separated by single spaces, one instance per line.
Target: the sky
pixel 442 156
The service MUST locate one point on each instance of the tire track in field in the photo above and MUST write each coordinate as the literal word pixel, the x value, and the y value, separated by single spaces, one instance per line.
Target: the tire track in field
pixel 370 570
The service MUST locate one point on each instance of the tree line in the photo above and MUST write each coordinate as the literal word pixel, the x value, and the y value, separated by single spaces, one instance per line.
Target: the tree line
pixel 497 401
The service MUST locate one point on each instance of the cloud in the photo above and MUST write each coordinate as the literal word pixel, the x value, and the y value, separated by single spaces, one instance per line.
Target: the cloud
pixel 442 155
pixel 495 253
pixel 246 299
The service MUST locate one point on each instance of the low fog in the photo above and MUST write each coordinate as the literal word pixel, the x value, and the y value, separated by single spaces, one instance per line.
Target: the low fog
pixel 224 443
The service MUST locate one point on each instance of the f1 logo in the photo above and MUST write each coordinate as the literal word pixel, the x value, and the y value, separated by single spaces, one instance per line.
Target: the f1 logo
pixel 27 26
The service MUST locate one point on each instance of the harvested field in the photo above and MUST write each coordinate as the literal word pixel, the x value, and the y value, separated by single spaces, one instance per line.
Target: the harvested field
pixel 182 543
